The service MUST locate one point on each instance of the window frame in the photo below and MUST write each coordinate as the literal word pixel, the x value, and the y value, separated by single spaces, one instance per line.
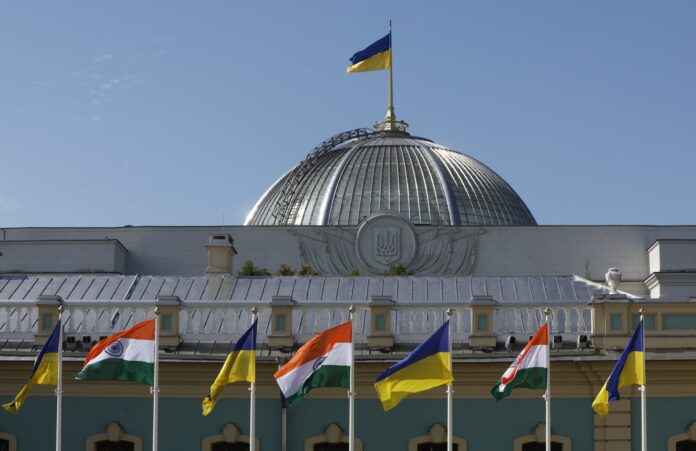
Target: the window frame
pixel 11 439
pixel 689 434
pixel 332 434
pixel 114 432
pixel 437 433
pixel 538 435
pixel 230 433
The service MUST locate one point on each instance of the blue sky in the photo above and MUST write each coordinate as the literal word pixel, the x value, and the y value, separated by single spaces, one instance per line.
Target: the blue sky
pixel 180 113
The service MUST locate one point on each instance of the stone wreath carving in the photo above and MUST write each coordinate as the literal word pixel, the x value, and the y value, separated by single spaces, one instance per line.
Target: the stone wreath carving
pixel 447 251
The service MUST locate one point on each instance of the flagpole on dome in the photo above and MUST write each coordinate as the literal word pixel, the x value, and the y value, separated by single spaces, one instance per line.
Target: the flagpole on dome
pixel 643 394
pixel 59 384
pixel 450 389
pixel 252 396
pixel 547 394
pixel 390 119
pixel 351 390
pixel 155 386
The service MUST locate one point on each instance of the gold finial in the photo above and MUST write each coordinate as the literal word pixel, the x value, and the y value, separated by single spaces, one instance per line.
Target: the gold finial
pixel 254 310
pixel 450 312
pixel 642 310
pixel 351 309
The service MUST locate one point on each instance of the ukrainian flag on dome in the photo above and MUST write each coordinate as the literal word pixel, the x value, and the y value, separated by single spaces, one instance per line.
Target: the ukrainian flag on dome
pixel 426 367
pixel 44 372
pixel 629 370
pixel 240 366
pixel 377 56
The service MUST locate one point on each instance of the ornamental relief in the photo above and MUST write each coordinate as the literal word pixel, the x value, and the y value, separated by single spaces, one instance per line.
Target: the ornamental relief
pixel 384 239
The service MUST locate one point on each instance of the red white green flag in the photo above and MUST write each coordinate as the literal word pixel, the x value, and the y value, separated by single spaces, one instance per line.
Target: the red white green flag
pixel 126 356
pixel 529 370
pixel 323 362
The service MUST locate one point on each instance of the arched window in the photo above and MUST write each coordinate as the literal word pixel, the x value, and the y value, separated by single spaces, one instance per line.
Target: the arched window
pixel 113 439
pixel 685 441
pixel 436 440
pixel 536 441
pixel 8 442
pixel 332 439
pixel 230 439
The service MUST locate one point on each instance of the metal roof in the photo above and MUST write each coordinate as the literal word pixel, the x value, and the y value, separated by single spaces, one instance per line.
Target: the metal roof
pixel 423 181
pixel 524 290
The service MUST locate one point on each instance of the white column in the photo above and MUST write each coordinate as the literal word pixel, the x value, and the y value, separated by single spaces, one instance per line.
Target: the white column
pixel 59 384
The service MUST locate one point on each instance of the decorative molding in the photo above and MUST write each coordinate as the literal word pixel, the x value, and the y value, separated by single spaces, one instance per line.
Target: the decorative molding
pixel 230 434
pixel 11 440
pixel 114 433
pixel 332 434
pixel 437 434
pixel 444 251
pixel 538 435
pixel 689 435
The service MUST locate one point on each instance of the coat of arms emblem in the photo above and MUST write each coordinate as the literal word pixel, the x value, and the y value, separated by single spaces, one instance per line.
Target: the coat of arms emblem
pixel 386 245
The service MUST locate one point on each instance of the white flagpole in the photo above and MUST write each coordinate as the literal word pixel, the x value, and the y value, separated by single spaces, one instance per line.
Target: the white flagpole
pixel 351 390
pixel 547 395
pixel 252 396
pixel 155 386
pixel 643 393
pixel 59 385
pixel 450 389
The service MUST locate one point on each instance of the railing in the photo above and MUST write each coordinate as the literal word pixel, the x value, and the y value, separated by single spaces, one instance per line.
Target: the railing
pixel 220 321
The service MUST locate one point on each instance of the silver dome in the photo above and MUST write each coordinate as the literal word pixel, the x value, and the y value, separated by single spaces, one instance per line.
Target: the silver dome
pixel 357 173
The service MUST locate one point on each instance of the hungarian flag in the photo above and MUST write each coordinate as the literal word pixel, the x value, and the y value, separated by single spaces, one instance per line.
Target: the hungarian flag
pixel 126 356
pixel 323 362
pixel 529 369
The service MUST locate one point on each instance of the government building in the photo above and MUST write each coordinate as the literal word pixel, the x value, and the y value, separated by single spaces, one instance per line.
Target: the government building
pixel 400 227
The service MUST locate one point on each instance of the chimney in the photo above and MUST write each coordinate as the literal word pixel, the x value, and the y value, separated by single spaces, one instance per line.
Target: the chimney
pixel 221 253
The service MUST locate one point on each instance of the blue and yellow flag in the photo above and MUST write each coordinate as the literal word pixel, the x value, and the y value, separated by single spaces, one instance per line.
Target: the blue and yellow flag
pixel 377 56
pixel 629 370
pixel 426 367
pixel 240 366
pixel 44 372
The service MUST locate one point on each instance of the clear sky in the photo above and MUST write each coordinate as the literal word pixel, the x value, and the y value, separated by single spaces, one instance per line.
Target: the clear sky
pixel 182 113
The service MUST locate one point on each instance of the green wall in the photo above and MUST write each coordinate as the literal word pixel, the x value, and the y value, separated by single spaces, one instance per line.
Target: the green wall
pixel 666 417
pixel 484 423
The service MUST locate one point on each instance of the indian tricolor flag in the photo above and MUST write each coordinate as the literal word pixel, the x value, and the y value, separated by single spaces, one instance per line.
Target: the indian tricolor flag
pixel 323 362
pixel 126 356
pixel 529 370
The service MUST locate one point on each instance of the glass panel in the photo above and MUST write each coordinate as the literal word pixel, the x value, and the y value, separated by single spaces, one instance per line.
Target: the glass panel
pixel 4 445
pixel 649 322
pixel 280 323
pixel 166 322
pixel 106 445
pixel 380 323
pixel 482 322
pixel 686 445
pixel 679 321
pixel 47 322
pixel 224 446
pixel 616 321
